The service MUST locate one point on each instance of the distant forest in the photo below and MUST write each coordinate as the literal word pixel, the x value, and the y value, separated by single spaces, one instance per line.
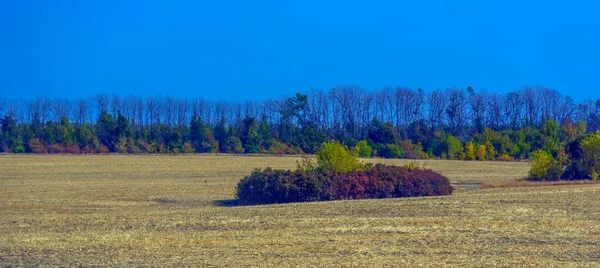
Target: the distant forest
pixel 392 122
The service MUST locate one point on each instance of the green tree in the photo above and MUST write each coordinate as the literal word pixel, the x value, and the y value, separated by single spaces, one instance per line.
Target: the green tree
pixel 453 146
pixel 250 136
pixel 490 150
pixel 201 137
pixel 105 130
pixel 309 138
pixel 233 144
pixel 123 128
pixel 220 134
pixel 590 148
pixel 364 150
pixel 383 133
pixel 64 132
pixel 265 133
pixel 551 137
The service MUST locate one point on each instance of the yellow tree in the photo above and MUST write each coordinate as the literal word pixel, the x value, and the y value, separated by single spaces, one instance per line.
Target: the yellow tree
pixel 470 150
pixel 481 152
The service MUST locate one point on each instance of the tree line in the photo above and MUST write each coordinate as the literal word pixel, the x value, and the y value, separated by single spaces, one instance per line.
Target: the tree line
pixel 455 123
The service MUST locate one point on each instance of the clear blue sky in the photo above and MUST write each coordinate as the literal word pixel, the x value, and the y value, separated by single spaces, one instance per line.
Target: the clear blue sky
pixel 237 50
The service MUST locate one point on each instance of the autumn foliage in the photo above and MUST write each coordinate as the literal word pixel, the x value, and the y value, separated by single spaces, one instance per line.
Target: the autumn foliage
pixel 270 186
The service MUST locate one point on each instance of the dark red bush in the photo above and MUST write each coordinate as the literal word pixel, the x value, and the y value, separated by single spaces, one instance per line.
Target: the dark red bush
pixel 280 186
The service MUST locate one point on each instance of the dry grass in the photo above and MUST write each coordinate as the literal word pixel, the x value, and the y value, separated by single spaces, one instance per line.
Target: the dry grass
pixel 160 211
pixel 526 183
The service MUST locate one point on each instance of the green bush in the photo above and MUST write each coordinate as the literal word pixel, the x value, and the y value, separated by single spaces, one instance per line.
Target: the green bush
pixel 391 151
pixel 544 167
pixel 364 150
pixel 590 147
pixel 333 156
pixel 584 162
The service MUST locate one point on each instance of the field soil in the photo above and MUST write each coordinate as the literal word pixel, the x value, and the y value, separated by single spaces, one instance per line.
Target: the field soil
pixel 114 210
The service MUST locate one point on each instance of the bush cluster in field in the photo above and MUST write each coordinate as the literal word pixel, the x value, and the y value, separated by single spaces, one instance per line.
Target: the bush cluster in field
pixel 270 186
pixel 338 175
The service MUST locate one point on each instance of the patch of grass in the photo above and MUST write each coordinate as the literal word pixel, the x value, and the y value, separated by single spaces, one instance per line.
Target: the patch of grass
pixel 173 211
pixel 526 183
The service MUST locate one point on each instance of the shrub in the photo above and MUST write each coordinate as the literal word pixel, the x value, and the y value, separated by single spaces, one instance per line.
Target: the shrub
pixel 145 146
pixel 72 149
pixel 278 186
pixel 270 186
pixel 544 167
pixel 590 147
pixel 333 156
pixel 412 151
pixel 188 148
pixel 55 149
pixel 391 151
pixel 364 150
pixel 584 163
pixel 504 157
pixel 102 149
pixel 280 148
pixel 35 146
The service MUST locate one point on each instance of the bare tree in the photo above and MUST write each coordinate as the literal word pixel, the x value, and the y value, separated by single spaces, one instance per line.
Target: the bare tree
pixel 583 109
pixel 92 110
pixel 380 104
pixel 34 110
pixel 319 100
pixel 169 111
pixel 548 99
pixel 205 111
pixel 271 111
pixel 80 112
pixel 364 110
pixel 565 110
pixel 115 104
pixel 251 109
pixel 494 111
pixel 101 103
pixel 513 109
pixel 221 108
pixel 343 100
pixel 153 108
pixel 17 109
pixel 138 103
pixel 236 112
pixel 436 102
pixel 183 115
pixel 530 97
pixel 411 106
pixel 62 109
pixel 127 107
pixel 455 110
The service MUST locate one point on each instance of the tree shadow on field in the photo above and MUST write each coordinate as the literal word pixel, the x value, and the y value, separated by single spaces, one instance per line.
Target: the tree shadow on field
pixel 227 203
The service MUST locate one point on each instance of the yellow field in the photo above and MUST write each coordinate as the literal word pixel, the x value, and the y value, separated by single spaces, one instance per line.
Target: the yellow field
pixel 171 211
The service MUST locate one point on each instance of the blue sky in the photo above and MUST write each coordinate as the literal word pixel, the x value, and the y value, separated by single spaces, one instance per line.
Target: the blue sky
pixel 238 50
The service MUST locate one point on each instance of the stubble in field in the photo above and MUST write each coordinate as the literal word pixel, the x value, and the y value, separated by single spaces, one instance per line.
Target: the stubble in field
pixel 170 211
